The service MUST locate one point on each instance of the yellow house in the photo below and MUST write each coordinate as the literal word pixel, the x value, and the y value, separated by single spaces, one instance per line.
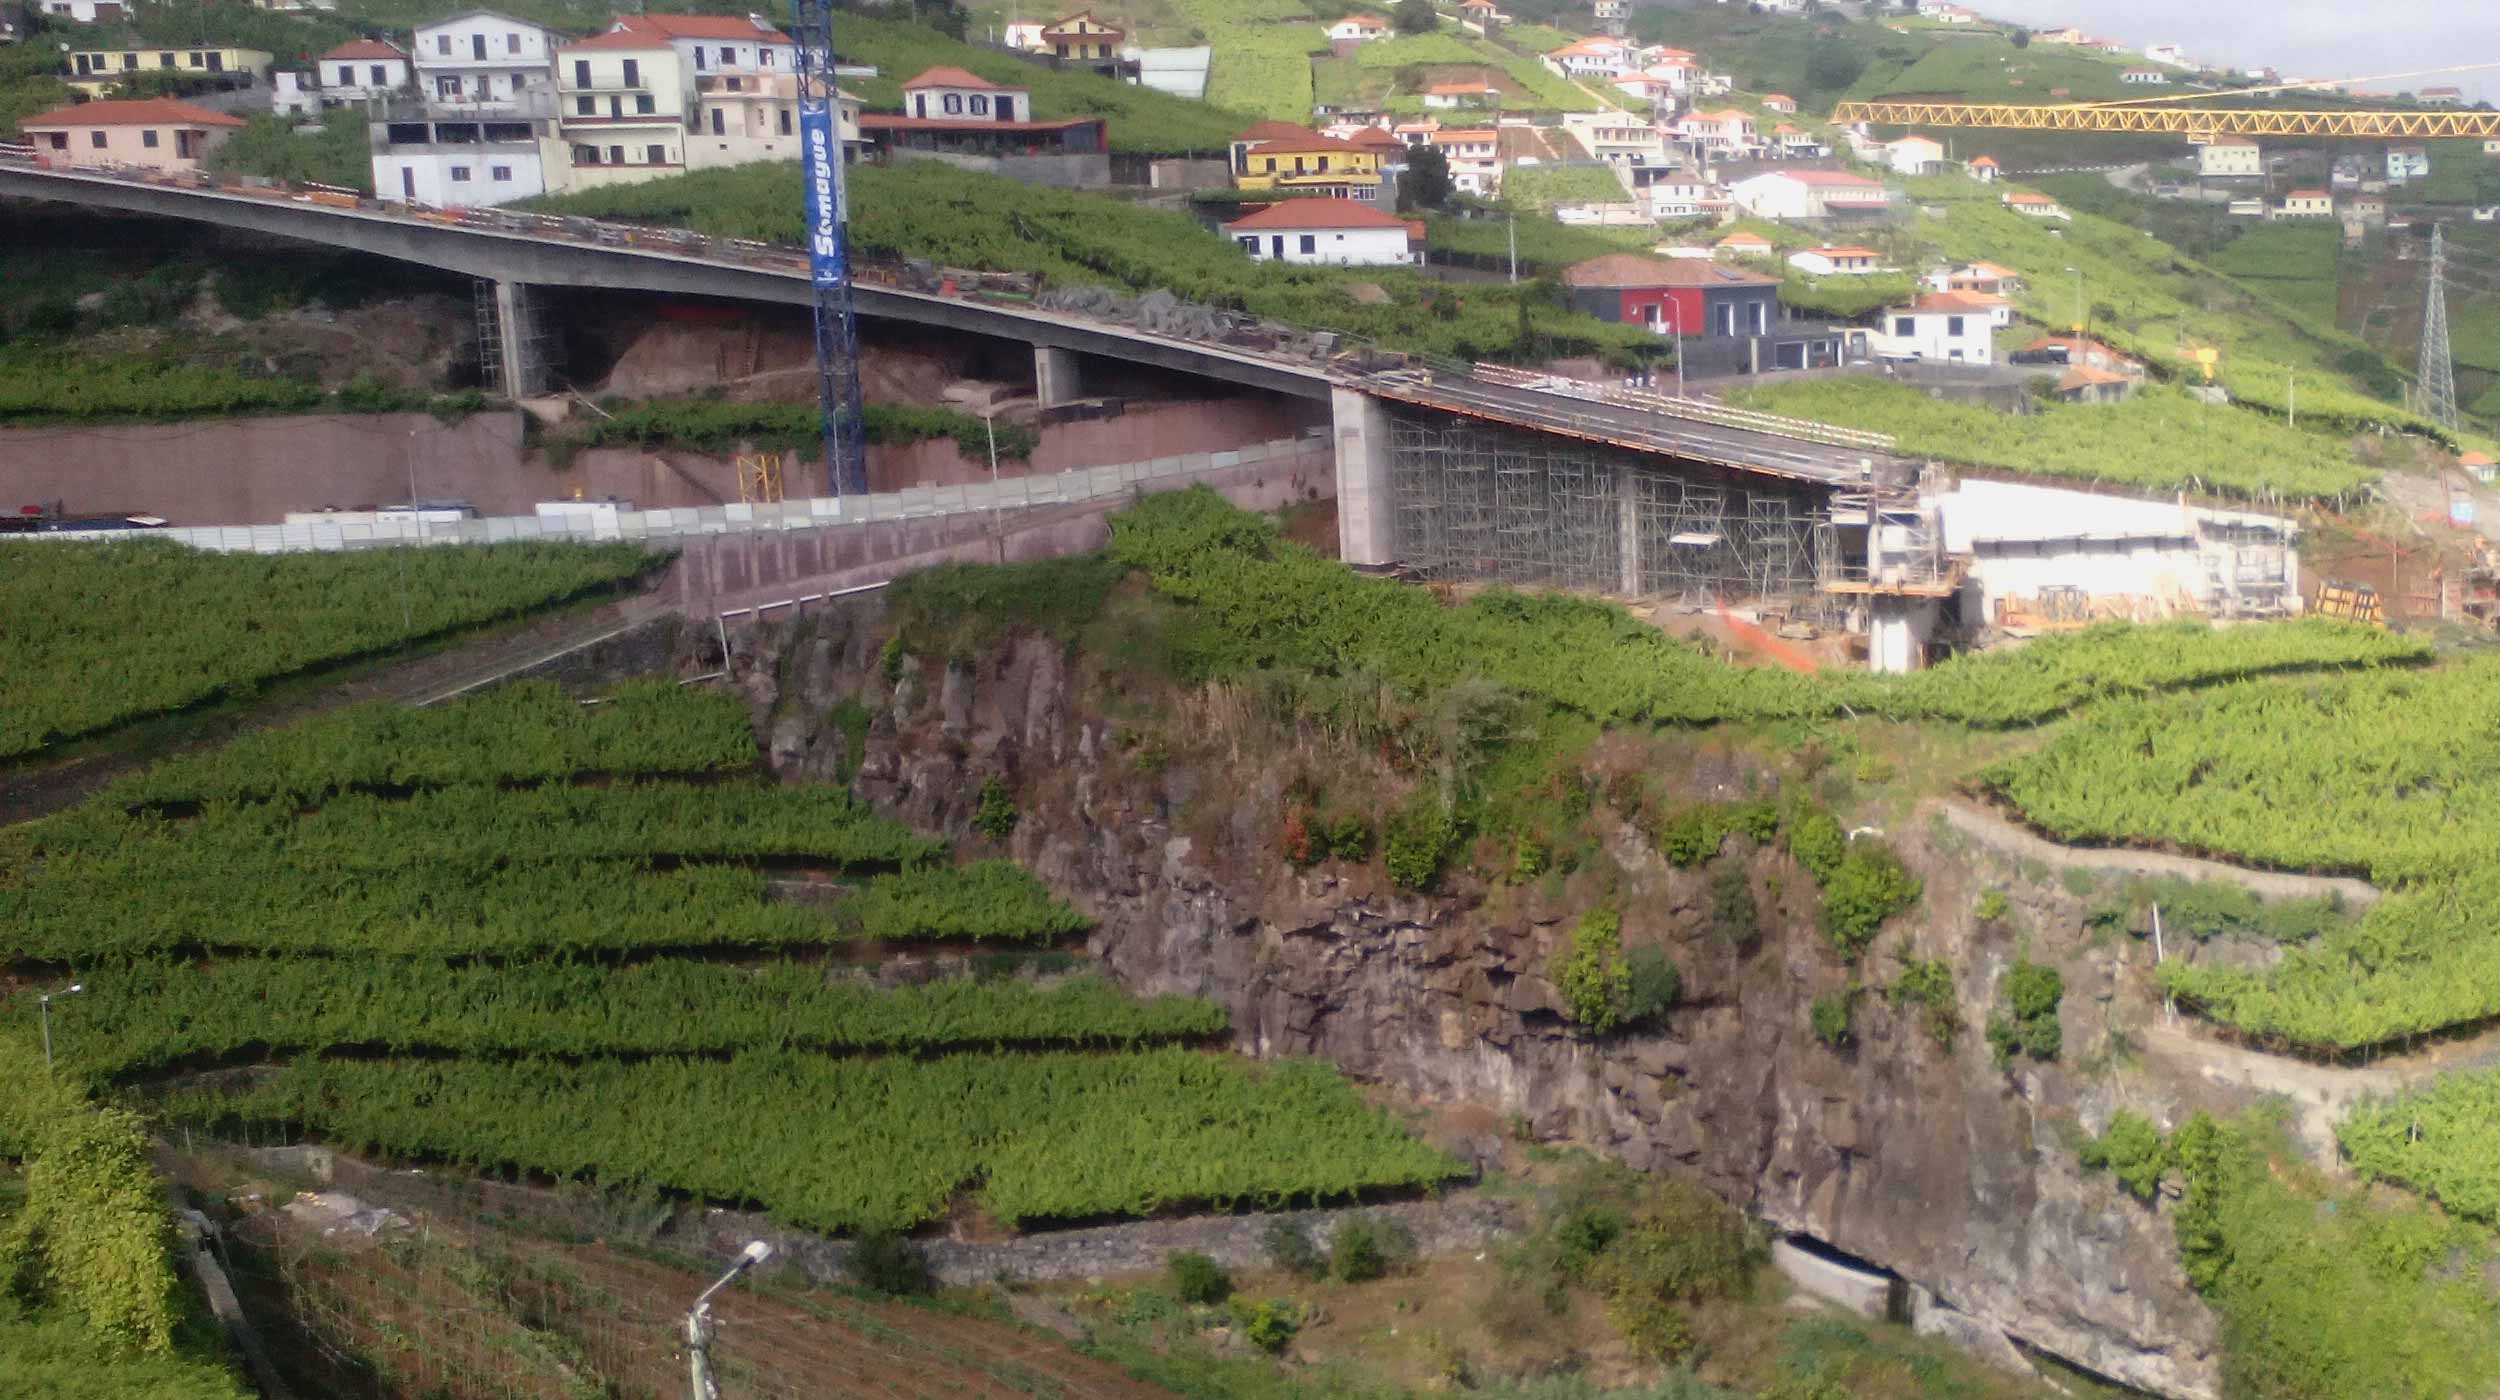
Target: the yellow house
pixel 155 134
pixel 1081 36
pixel 97 72
pixel 621 101
pixel 1311 162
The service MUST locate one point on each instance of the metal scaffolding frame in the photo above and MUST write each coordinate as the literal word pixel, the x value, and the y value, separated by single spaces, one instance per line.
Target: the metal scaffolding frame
pixel 1486 504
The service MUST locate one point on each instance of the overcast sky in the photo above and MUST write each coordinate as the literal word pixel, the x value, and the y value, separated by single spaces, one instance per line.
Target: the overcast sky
pixel 2304 38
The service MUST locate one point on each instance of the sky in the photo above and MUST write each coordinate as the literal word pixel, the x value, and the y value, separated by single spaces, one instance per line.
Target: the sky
pixel 2303 38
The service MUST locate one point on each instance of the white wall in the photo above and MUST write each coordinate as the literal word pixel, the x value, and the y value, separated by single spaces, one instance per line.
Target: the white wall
pixel 1365 246
pixel 431 173
pixel 2169 556
pixel 359 83
pixel 509 44
pixel 1931 336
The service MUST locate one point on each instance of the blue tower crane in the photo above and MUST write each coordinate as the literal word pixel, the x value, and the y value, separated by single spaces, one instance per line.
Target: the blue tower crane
pixel 828 249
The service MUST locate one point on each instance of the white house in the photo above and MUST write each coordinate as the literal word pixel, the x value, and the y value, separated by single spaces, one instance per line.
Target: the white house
pixel 361 68
pixel 1326 231
pixel 2306 204
pixel 1835 262
pixel 1684 198
pixel 84 11
pixel 1914 155
pixel 1616 139
pixel 1743 244
pixel 294 94
pixel 955 94
pixel 2170 54
pixel 1719 133
pixel 465 176
pixel 1809 194
pixel 1947 14
pixel 1359 29
pixel 1985 278
pixel 1594 57
pixel 2064 34
pixel 2035 206
pixel 2408 163
pixel 2230 160
pixel 2145 77
pixel 1984 169
pixel 1473 156
pixel 1780 102
pixel 482 60
pixel 1445 97
pixel 1948 327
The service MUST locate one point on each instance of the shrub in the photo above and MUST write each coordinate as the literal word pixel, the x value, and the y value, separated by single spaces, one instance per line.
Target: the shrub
pixel 1355 1255
pixel 1419 834
pixel 1991 907
pixel 1868 886
pixel 1929 986
pixel 1652 987
pixel 1269 1324
pixel 1296 841
pixel 1349 836
pixel 1831 1016
pixel 1199 1279
pixel 2132 1151
pixel 883 1261
pixel 1582 1234
pixel 996 817
pixel 2034 992
pixel 1814 836
pixel 1654 1328
pixel 1590 974
pixel 1691 834
pixel 1289 1246
pixel 1734 917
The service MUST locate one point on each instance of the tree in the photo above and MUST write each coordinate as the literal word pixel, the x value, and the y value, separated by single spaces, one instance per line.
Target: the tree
pixel 1417 17
pixel 2019 38
pixel 1425 183
pixel 1833 63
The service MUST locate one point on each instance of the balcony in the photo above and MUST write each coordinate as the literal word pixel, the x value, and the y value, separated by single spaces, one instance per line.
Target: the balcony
pixel 770 86
pixel 401 107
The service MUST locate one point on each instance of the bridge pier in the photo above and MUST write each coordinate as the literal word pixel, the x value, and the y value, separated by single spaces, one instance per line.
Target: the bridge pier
pixel 1897 631
pixel 1055 374
pixel 512 340
pixel 1366 531
pixel 1628 529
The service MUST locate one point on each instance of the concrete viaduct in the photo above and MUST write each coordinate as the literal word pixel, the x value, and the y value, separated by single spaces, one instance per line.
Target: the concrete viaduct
pixel 517 252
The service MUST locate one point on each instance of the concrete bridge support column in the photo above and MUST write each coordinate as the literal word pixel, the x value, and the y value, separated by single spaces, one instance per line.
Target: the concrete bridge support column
pixel 1055 376
pixel 1366 504
pixel 520 341
pixel 1628 529
pixel 1897 632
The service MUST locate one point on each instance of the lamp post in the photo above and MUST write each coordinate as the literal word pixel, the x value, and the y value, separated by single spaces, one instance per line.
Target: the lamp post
pixel 43 1010
pixel 699 1322
pixel 998 531
pixel 2078 298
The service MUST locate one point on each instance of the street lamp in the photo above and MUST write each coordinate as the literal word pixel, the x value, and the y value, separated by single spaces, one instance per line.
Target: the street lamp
pixel 998 531
pixel 2078 298
pixel 699 1321
pixel 43 1010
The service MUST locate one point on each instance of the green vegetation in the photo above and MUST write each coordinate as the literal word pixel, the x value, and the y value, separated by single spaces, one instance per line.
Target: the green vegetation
pixel 1263 49
pixel 146 1016
pixel 2132 1151
pixel 42 382
pixel 2030 1025
pixel 2159 439
pixel 2443 1140
pixel 1541 187
pixel 1142 120
pixel 109 649
pixel 1048 1136
pixel 1833 1017
pixel 2293 261
pixel 1590 974
pixel 2391 773
pixel 1868 886
pixel 1846 298
pixel 1199 1279
pixel 341 154
pixel 958 218
pixel 1927 985
pixel 1545 246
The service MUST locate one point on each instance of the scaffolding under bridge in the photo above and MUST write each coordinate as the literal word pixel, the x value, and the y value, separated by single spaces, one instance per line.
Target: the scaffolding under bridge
pixel 1478 503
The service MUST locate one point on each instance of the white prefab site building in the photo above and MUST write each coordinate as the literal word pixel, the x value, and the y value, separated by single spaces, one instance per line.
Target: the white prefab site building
pixel 2129 556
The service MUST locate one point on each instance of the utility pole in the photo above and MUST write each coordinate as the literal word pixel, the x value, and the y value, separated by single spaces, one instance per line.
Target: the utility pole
pixel 2437 369
pixel 1513 221
pixel 2291 398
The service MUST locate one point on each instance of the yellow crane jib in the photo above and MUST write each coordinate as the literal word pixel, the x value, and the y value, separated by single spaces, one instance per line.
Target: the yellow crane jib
pixel 2182 121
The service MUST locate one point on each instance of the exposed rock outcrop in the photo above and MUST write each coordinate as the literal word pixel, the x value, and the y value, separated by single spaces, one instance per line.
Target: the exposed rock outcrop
pixel 1937 1164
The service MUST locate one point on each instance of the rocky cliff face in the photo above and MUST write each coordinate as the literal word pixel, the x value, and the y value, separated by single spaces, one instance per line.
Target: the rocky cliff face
pixel 1935 1163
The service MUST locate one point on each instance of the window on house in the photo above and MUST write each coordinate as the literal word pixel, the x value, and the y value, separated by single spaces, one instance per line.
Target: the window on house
pixel 380 77
pixel 1904 326
pixel 734 84
pixel 586 106
pixel 642 104
pixel 616 155
pixel 954 104
pixel 502 174
pixel 719 127
pixel 763 58
pixel 1248 241
pixel 633 73
pixel 585 155
pixel 699 64
pixel 148 139
pixel 581 72
pixel 477 46
pixel 130 62
pixel 784 120
pixel 656 155
pixel 59 140
pixel 1953 326
pixel 442 45
pixel 460 174
pixel 728 55
pixel 1310 243
pixel 512 42
pixel 96 139
pixel 164 60
pixel 980 105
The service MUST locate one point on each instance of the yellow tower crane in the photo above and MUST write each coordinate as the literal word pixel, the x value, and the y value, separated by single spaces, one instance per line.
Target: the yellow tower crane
pixel 2161 115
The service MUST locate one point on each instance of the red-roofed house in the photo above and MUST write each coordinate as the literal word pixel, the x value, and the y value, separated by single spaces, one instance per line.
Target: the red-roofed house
pixel 952 94
pixel 1835 262
pixel 1719 133
pixel 1337 232
pixel 1081 38
pixel 1940 326
pixel 1985 169
pixel 2305 204
pixel 1975 277
pixel 1744 243
pixel 1264 131
pixel 1313 162
pixel 1591 58
pixel 1672 295
pixel 361 68
pixel 1359 29
pixel 153 133
pixel 1810 194
pixel 1780 102
pixel 1476 93
pixel 964 119
pixel 2034 206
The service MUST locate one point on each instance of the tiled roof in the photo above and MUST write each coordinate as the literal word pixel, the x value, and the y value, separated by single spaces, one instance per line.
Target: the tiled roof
pixel 1633 270
pixel 640 39
pixel 952 78
pixel 1846 252
pixel 148 111
pixel 1275 131
pixel 1288 214
pixel 366 48
pixel 705 27
pixel 1308 143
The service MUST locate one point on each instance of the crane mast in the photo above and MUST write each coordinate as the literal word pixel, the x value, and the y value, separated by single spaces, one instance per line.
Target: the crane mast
pixel 828 250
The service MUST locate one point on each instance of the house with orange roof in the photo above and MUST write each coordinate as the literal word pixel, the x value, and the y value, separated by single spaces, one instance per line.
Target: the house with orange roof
pixel 958 116
pixel 361 68
pixel 2480 466
pixel 1723 132
pixel 1839 261
pixel 1780 102
pixel 2034 206
pixel 1081 38
pixel 1327 232
pixel 1263 131
pixel 149 134
pixel 1984 169
pixel 1974 277
pixel 1358 29
pixel 2305 204
pixel 1479 92
pixel 1941 327
pixel 2084 384
pixel 1797 143
pixel 1314 163
pixel 1474 155
pixel 1743 243
pixel 1593 57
